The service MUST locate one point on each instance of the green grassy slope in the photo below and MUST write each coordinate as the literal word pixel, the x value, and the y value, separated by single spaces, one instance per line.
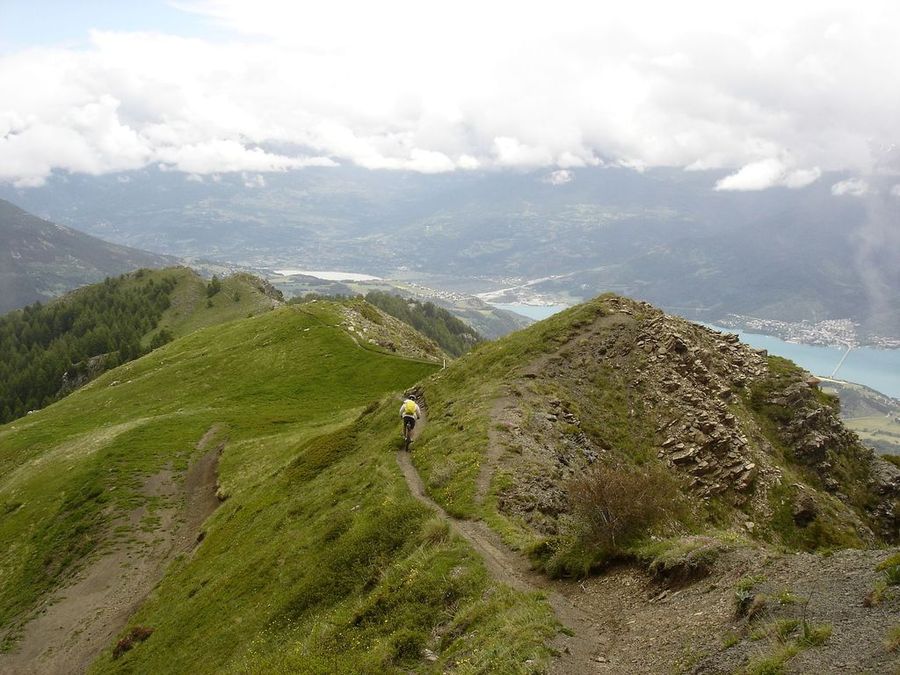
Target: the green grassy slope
pixel 319 560
pixel 51 350
pixel 241 295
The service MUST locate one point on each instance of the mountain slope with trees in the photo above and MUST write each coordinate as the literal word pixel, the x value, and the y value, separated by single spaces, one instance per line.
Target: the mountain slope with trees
pixel 50 350
pixel 453 335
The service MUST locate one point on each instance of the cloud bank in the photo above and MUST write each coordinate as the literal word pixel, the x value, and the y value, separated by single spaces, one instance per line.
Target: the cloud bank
pixel 776 93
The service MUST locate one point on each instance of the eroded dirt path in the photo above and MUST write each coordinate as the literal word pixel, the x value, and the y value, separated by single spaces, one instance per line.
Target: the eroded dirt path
pixel 80 620
pixel 579 652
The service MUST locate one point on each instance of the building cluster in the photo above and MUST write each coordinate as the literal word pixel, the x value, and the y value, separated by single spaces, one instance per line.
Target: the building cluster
pixel 428 292
pixel 829 332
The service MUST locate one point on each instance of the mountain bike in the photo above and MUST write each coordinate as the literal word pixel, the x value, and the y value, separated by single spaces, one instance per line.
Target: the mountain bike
pixel 408 424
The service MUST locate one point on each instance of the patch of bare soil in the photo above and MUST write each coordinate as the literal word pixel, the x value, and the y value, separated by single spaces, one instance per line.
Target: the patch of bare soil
pixel 625 621
pixel 76 623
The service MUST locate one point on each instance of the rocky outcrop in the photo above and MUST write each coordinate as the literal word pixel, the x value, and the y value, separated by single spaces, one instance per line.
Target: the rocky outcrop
pixel 84 371
pixel 808 424
pixel 725 419
pixel 693 374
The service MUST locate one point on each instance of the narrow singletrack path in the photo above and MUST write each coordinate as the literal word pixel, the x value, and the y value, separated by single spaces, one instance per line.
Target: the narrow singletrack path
pixel 578 653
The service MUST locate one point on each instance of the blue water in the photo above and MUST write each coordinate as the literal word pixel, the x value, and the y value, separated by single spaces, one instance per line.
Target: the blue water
pixel 536 312
pixel 875 368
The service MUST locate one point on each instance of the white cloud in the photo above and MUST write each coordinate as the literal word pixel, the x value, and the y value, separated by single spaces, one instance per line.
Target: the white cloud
pixel 802 177
pixel 895 191
pixel 768 173
pixel 853 187
pixel 257 181
pixel 229 155
pixel 559 177
pixel 776 92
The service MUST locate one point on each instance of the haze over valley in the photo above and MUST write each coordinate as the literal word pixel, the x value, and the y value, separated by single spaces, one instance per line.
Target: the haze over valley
pixel 766 260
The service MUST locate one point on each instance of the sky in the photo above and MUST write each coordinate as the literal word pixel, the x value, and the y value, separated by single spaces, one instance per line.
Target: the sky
pixel 774 94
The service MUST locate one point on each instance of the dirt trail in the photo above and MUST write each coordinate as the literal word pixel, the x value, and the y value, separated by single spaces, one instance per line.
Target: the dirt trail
pixel 494 450
pixel 578 652
pixel 79 621
pixel 625 622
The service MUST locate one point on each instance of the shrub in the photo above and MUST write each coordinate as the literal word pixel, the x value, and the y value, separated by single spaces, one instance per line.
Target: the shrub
pixel 892 575
pixel 614 505
pixel 892 642
pixel 213 287
pixel 680 560
pixel 813 636
pixel 891 569
pixel 164 336
pixel 135 635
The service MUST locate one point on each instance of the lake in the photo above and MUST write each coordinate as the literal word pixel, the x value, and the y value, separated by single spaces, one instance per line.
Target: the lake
pixel 536 312
pixel 329 275
pixel 875 368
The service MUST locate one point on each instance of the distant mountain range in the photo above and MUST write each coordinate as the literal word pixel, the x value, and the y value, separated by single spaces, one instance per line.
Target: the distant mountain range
pixel 666 236
pixel 40 260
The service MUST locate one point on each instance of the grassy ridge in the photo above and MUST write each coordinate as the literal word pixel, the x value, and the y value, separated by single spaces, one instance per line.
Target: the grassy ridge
pixel 331 566
pixel 318 561
pixel 51 350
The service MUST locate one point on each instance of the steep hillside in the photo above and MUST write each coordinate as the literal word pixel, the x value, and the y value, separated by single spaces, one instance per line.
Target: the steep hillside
pixel 40 260
pixel 315 559
pixel 453 335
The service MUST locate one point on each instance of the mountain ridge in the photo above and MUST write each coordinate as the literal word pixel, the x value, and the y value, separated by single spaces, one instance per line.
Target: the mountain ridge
pixel 42 260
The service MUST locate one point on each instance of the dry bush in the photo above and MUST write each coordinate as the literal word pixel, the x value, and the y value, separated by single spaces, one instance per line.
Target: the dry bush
pixel 134 636
pixel 615 504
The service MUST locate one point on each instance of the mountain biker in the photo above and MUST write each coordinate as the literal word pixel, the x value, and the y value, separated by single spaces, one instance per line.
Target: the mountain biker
pixel 409 413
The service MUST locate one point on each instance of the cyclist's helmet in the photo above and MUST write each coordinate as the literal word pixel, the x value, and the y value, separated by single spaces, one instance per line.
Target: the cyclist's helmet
pixel 411 397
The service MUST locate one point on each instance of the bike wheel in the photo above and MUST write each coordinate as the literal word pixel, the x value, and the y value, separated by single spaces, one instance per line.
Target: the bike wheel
pixel 407 435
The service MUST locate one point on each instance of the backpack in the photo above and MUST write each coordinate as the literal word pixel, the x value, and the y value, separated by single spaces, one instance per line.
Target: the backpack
pixel 409 408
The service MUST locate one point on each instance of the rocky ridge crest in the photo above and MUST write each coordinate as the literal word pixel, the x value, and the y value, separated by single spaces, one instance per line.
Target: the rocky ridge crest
pixel 734 426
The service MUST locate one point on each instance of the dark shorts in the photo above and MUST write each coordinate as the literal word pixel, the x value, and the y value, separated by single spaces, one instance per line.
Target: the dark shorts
pixel 410 420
